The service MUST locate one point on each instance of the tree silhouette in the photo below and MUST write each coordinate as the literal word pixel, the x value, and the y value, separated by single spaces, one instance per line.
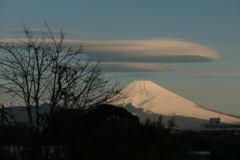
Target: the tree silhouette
pixel 43 69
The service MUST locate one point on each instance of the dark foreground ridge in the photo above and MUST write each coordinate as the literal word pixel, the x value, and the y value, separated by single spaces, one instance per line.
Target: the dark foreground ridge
pixel 107 132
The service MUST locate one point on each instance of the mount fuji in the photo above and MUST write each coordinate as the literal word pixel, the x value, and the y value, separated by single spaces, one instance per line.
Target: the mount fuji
pixel 146 99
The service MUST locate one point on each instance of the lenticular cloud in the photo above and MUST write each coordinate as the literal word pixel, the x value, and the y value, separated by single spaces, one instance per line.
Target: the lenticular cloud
pixel 150 51
pixel 144 51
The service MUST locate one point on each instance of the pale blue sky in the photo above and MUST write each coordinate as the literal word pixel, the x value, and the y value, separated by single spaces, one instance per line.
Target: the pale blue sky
pixel 202 36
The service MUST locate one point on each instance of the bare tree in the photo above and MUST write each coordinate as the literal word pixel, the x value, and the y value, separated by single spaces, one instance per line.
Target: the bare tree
pixel 43 69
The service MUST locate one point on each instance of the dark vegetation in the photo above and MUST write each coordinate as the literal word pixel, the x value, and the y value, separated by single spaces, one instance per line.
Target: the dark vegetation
pixel 108 132
pixel 222 144
pixel 43 69
pixel 103 132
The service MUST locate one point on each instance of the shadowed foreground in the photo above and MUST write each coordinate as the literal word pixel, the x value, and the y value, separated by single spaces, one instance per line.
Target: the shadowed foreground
pixel 108 132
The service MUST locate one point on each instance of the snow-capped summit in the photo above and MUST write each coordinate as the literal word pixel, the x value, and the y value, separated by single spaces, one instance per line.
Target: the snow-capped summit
pixel 153 99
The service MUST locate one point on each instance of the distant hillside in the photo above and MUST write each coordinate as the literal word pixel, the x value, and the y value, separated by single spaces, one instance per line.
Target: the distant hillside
pixel 20 112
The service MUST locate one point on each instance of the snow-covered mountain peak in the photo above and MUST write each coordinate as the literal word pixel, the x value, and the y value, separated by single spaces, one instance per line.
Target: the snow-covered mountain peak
pixel 141 87
pixel 154 99
pixel 148 89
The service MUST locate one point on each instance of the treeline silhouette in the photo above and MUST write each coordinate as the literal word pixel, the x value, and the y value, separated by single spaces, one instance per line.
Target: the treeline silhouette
pixel 107 132
pixel 110 132
pixel 103 132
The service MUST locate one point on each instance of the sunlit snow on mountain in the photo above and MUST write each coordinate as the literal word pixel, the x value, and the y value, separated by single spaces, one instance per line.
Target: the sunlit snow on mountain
pixel 147 99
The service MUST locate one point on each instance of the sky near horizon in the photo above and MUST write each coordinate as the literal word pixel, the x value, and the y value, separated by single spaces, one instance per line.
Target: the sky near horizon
pixel 191 48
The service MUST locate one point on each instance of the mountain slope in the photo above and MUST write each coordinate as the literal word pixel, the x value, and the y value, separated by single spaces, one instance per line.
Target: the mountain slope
pixel 153 99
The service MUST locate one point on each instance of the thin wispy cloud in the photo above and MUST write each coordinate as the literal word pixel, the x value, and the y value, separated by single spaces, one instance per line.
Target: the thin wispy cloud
pixel 230 90
pixel 212 74
pixel 144 75
pixel 166 39
pixel 39 31
pixel 137 67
